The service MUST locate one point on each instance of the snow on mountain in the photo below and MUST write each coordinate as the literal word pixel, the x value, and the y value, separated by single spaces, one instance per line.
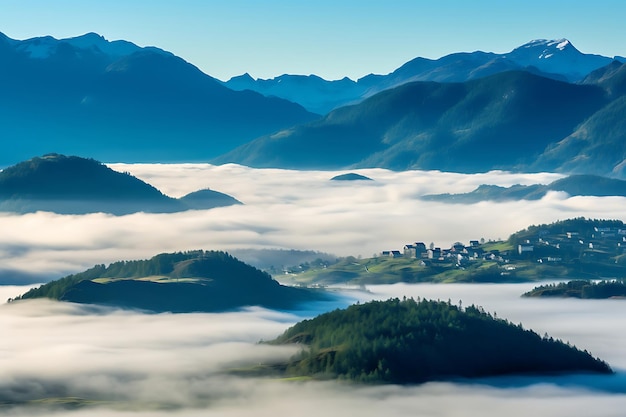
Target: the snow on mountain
pixel 97 42
pixel 557 57
pixel 561 45
pixel 37 48
pixel 46 46
pixel 93 41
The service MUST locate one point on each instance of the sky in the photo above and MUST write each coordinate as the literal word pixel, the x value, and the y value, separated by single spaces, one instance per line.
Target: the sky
pixel 332 39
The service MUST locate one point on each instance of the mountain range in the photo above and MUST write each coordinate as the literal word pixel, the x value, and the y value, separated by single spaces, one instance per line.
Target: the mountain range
pixel 542 106
pixel 557 59
pixel 514 120
pixel 116 101
pixel 74 185
pixel 574 185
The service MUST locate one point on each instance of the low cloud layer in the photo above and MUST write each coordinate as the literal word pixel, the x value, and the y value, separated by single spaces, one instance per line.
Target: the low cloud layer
pixel 172 364
pixel 283 209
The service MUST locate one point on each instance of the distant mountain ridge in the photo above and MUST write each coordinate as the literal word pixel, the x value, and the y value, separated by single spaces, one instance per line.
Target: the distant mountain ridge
pixel 574 185
pixel 119 102
pixel 557 59
pixel 89 43
pixel 73 185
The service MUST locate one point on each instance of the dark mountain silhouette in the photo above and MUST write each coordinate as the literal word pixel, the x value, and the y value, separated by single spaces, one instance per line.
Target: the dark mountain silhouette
pixel 574 185
pixel 207 199
pixel 176 282
pixel 74 185
pixel 351 176
pixel 119 102
pixel 556 59
pixel 504 121
pixel 591 185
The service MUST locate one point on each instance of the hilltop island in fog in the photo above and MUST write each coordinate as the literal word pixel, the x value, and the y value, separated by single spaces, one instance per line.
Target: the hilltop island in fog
pixel 581 289
pixel 176 282
pixel 406 341
pixel 74 185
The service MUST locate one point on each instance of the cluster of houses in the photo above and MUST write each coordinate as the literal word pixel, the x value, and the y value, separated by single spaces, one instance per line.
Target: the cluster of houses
pixel 601 243
pixel 457 252
pixel 545 247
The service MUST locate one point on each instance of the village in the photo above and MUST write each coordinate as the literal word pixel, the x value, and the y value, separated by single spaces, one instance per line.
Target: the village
pixel 569 249
pixel 544 245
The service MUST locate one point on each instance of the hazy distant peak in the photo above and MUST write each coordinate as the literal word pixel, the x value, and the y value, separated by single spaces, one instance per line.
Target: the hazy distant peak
pixel 95 42
pixel 246 76
pixel 88 38
pixel 46 46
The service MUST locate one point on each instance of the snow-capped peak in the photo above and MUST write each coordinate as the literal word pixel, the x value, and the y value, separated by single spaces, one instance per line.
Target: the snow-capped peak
pixel 556 56
pixel 561 44
pixel 542 49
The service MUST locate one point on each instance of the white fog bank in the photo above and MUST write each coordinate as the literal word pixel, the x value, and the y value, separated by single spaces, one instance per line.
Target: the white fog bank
pixel 172 364
pixel 283 209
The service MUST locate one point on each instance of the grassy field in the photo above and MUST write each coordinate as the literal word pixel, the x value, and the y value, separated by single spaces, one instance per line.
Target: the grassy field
pixel 387 270
pixel 161 279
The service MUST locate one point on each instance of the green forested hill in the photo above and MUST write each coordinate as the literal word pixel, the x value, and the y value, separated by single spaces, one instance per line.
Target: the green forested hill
pixel 412 341
pixel 581 289
pixel 177 282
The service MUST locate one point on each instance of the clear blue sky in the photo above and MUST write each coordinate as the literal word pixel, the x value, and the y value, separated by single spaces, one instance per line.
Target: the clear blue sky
pixel 330 38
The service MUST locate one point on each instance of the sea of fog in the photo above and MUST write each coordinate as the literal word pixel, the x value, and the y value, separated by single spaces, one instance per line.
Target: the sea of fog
pixel 172 364
pixel 282 209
